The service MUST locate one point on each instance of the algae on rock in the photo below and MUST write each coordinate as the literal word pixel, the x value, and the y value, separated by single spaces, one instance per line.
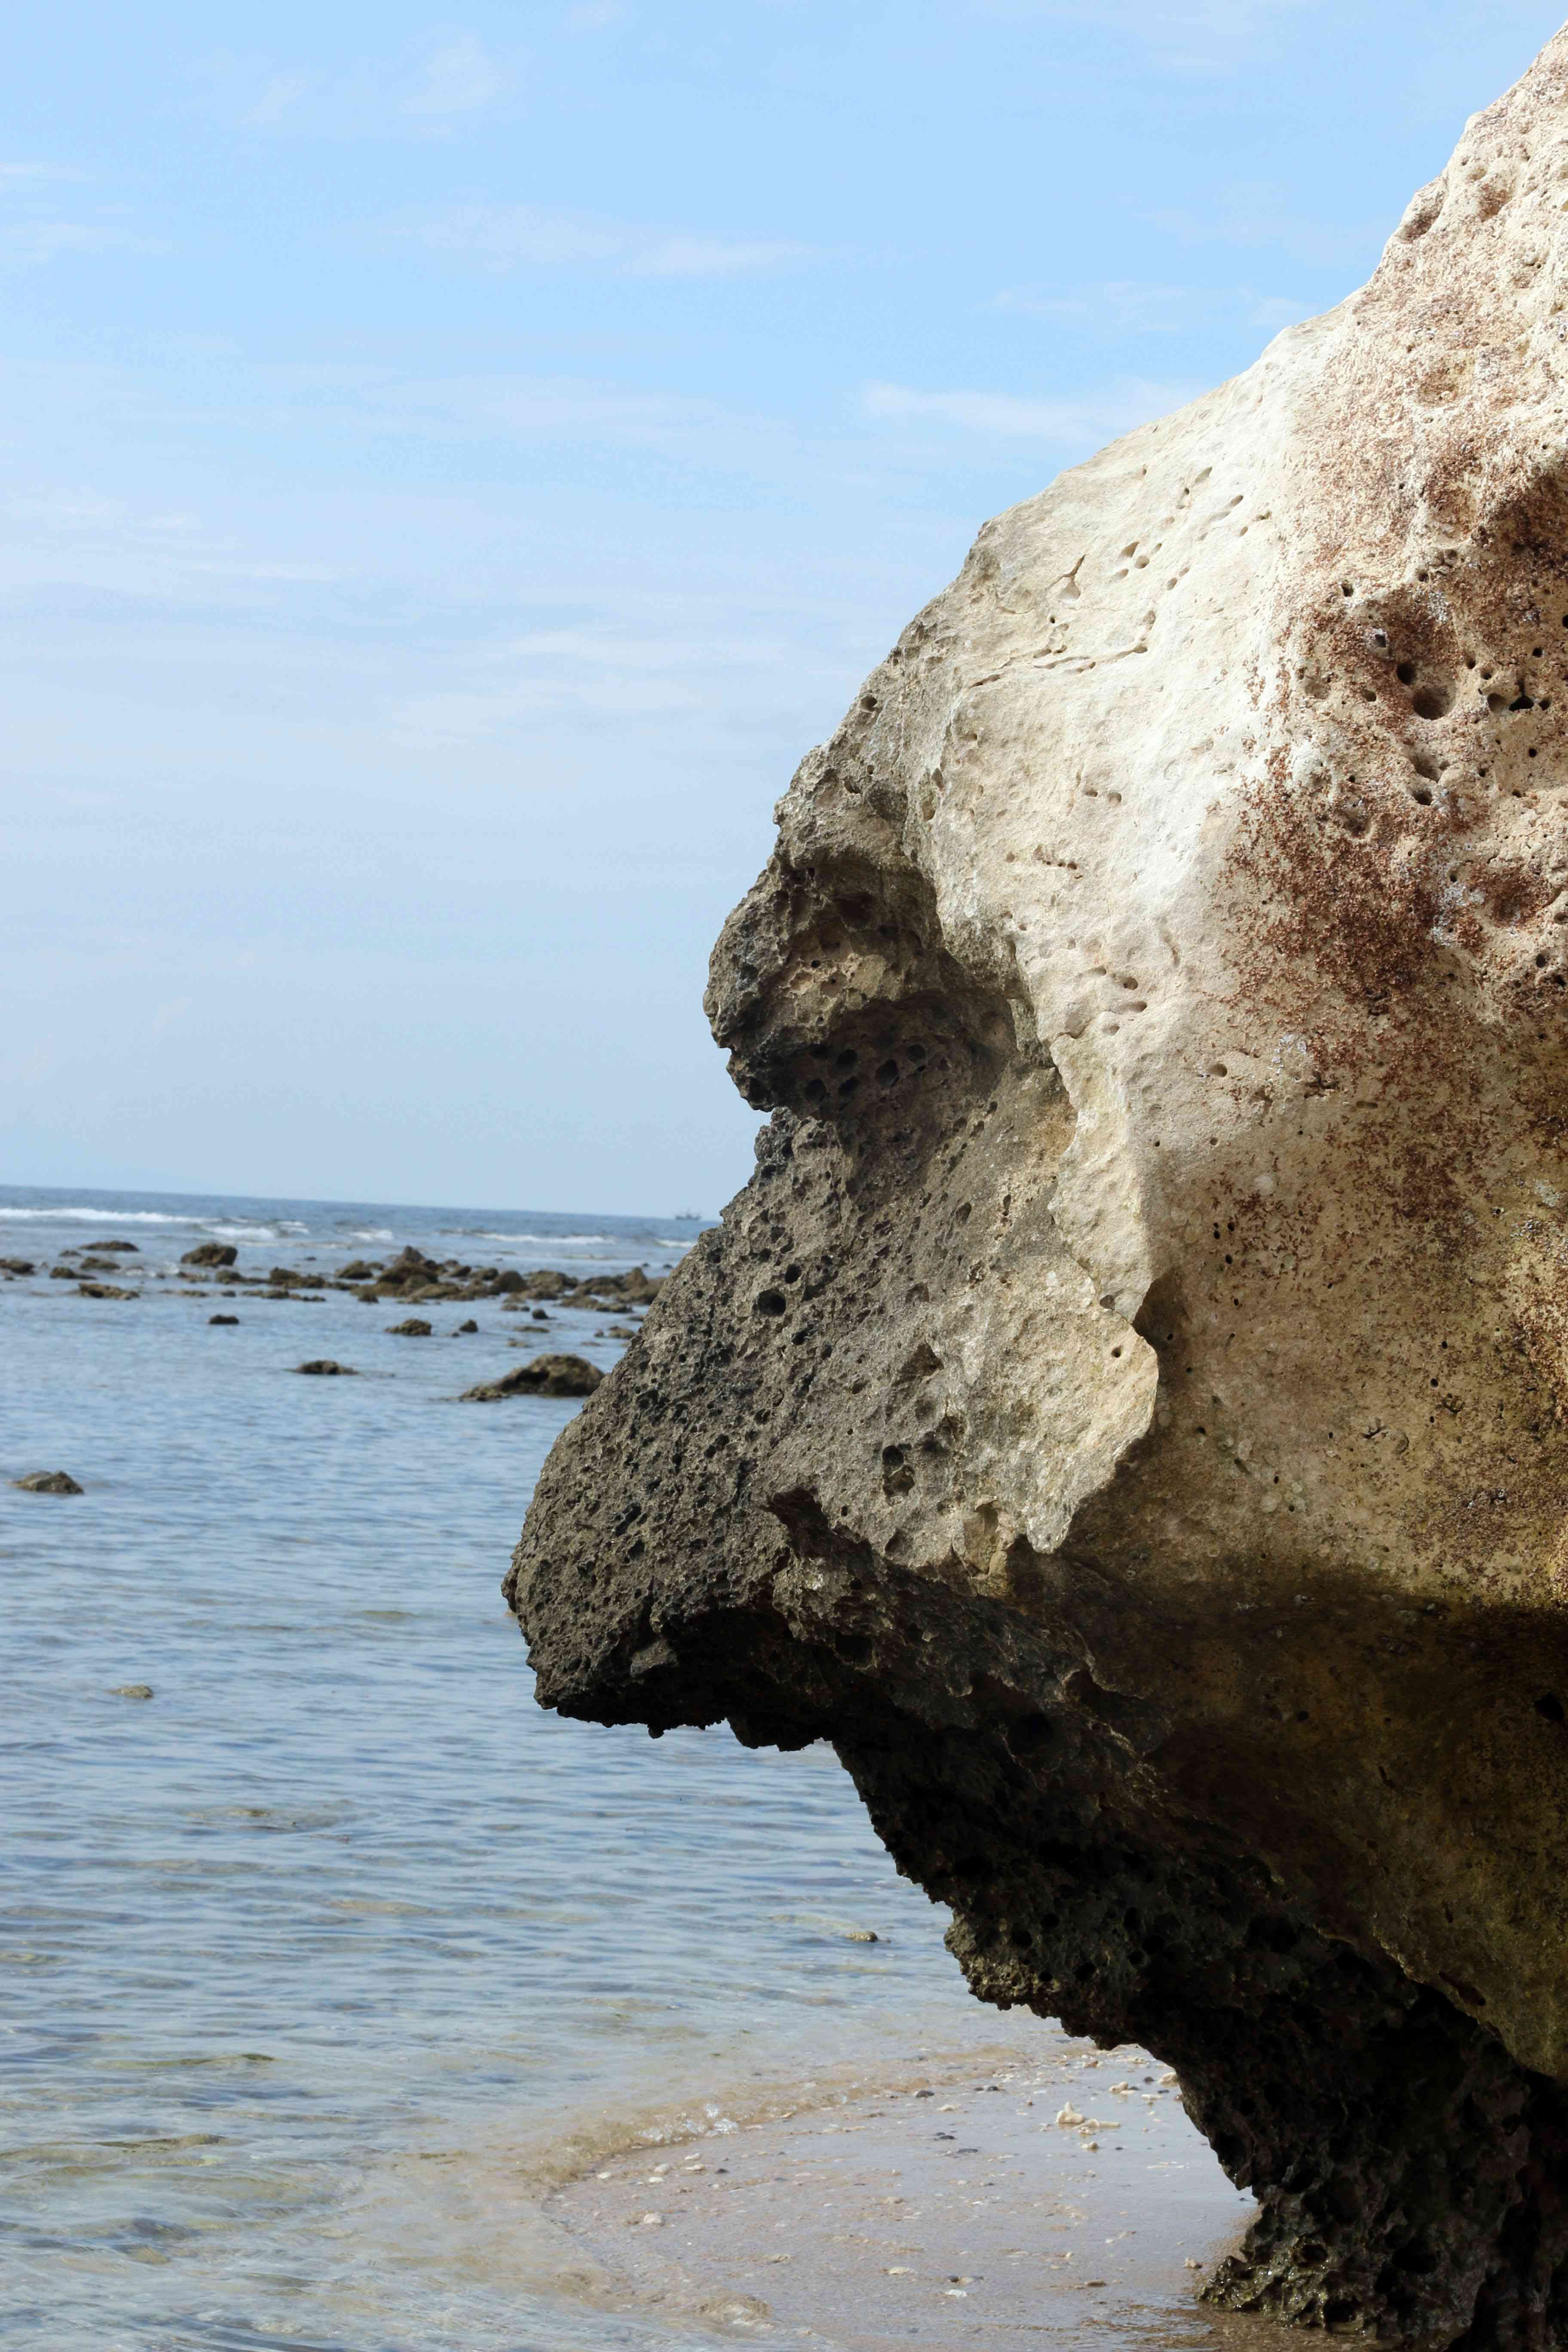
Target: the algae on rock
pixel 1127 1412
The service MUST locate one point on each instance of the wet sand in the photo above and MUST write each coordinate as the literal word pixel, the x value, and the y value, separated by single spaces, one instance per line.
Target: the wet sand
pixel 980 2198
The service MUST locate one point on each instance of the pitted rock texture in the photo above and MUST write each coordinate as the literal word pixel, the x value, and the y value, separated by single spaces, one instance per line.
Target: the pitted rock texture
pixel 1126 1411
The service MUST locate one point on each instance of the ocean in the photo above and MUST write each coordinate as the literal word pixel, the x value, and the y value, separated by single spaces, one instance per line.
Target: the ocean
pixel 330 1963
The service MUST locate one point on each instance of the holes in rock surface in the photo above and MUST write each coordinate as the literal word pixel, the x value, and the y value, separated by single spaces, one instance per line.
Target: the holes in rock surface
pixel 1432 701
pixel 1405 673
pixel 771 1302
pixel 888 1072
pixel 1549 1705
pixel 847 1060
pixel 1030 1734
pixel 815 1091
pixel 792 1274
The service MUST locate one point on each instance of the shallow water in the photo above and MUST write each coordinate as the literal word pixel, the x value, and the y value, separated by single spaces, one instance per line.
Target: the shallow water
pixel 338 1900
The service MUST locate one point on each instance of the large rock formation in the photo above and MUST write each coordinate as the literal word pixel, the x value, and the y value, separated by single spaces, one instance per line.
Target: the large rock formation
pixel 1127 1412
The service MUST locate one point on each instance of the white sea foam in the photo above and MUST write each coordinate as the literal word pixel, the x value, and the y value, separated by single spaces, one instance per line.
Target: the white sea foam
pixel 552 1241
pixel 98 1217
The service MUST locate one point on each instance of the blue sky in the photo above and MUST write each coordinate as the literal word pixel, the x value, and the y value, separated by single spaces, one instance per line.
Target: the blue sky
pixel 452 467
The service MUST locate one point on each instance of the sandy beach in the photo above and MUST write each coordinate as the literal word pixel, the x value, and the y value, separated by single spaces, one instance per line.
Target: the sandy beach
pixel 980 2196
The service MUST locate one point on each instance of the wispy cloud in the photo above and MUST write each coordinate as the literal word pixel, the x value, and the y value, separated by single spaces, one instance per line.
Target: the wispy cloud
pixel 600 673
pixel 1124 306
pixel 35 230
pixel 1084 422
pixel 1185 36
pixel 279 93
pixel 32 245
pixel 530 237
pixel 1257 215
pixel 458 78
pixel 425 93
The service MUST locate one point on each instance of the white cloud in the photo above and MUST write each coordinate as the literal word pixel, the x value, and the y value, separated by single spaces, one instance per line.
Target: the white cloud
pixel 169 1016
pixel 1254 213
pixel 1191 38
pixel 1125 306
pixel 530 237
pixel 22 176
pixel 1081 422
pixel 34 244
pixel 456 78
pixel 420 94
pixel 594 672
pixel 29 1065
pixel 279 92
pixel 33 234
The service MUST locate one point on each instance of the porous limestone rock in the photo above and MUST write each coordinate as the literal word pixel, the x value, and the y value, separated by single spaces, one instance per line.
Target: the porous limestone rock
pixel 1127 1412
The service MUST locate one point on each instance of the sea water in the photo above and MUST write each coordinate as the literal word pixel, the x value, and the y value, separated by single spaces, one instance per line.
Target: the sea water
pixel 338 1905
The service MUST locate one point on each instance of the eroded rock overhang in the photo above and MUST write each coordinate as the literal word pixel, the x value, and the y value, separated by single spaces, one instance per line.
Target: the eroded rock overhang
pixel 1125 1410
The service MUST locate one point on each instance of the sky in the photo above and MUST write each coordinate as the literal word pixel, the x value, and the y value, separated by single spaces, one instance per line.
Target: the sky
pixel 453 468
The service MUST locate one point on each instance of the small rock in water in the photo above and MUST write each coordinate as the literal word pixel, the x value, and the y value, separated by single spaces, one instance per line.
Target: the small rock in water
pixel 1069 2118
pixel 413 1328
pixel 464 1328
pixel 541 1376
pixel 131 1246
pixel 103 1290
pixel 17 1266
pixel 47 1482
pixel 223 1319
pixel 132 1690
pixel 861 1936
pixel 653 2222
pixel 323 1364
pixel 211 1253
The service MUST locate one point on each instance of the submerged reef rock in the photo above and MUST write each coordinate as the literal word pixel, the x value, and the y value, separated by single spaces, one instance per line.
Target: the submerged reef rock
pixel 558 1375
pixel 1127 1411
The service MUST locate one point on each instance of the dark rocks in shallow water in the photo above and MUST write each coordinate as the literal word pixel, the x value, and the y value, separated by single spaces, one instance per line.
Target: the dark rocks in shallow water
pixel 223 1319
pixel 416 1327
pixel 211 1253
pixel 131 1246
pixel 545 1282
pixel 409 1269
pixel 464 1329
pixel 506 1285
pixel 103 1290
pixel 358 1269
pixel 47 1482
pixel 62 1274
pixel 556 1376
pixel 326 1367
pixel 132 1690
pixel 18 1265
